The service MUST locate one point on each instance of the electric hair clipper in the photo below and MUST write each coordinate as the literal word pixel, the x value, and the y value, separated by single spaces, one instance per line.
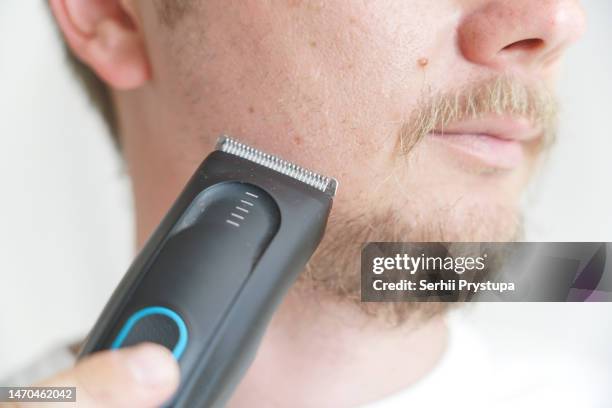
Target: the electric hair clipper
pixel 210 277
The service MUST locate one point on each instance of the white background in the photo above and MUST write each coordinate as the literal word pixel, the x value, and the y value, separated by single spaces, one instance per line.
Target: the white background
pixel 65 211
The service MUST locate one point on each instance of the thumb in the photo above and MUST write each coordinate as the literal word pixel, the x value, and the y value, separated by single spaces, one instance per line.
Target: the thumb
pixel 145 375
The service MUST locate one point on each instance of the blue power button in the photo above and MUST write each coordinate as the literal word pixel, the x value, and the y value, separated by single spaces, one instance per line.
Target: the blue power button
pixel 156 324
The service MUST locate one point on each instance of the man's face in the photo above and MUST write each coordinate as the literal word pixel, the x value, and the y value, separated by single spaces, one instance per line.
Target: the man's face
pixel 431 114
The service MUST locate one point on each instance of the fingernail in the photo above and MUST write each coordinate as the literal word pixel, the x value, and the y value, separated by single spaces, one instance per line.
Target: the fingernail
pixel 151 365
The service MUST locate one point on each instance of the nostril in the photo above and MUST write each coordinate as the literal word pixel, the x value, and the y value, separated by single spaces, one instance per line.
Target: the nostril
pixel 529 44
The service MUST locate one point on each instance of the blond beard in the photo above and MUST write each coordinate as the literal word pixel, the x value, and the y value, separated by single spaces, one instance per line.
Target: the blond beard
pixel 334 270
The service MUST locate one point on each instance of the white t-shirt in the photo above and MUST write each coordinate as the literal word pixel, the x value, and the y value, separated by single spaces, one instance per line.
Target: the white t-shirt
pixel 469 375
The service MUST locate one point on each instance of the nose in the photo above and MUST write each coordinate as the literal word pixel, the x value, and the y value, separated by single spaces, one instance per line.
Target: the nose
pixel 520 34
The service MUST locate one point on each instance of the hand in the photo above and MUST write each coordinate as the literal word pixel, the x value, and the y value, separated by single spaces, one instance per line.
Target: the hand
pixel 145 375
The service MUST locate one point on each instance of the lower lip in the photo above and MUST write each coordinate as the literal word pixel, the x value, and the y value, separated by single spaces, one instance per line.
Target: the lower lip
pixel 490 151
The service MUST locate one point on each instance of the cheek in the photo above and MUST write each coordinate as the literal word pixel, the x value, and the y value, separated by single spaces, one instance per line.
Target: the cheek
pixel 288 82
pixel 326 86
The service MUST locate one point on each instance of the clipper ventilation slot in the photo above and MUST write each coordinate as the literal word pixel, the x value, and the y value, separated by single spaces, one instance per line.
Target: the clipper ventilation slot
pixel 325 184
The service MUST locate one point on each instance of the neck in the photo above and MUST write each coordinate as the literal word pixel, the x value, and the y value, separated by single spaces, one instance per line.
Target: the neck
pixel 318 352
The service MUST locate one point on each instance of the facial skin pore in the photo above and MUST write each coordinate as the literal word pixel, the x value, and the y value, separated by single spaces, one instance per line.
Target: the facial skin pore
pixel 393 98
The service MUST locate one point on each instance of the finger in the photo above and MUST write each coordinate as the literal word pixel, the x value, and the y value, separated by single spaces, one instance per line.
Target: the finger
pixel 145 375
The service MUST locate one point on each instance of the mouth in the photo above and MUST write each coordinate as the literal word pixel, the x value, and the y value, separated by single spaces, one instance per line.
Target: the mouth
pixel 496 142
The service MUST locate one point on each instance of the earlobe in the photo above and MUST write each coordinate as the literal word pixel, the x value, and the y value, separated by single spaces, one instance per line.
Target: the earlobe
pixel 103 35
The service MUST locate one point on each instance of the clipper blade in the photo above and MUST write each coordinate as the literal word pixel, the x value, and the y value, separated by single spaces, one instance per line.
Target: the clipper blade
pixel 327 185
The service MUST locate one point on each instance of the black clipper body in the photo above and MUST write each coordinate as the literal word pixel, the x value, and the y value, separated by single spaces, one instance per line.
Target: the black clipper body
pixel 210 277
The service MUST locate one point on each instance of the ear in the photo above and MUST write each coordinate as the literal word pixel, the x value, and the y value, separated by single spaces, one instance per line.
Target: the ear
pixel 105 35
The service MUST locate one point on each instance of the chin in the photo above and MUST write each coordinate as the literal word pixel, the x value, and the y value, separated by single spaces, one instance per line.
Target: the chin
pixel 335 267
